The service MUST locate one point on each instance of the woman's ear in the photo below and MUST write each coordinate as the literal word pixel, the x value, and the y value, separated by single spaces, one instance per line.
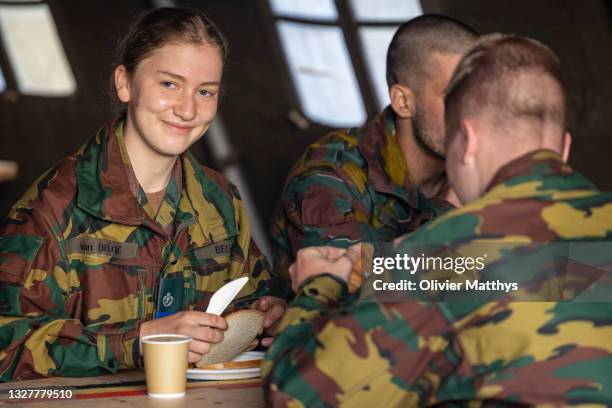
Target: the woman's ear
pixel 567 144
pixel 122 83
pixel 402 101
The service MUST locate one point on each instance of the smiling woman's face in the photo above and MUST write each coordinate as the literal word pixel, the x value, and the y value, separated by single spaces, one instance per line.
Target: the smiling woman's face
pixel 171 97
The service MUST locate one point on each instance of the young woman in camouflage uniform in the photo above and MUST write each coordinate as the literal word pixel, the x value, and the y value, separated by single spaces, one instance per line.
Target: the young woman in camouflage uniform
pixel 131 236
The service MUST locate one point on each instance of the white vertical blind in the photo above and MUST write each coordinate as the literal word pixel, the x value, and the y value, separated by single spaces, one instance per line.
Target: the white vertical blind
pixel 35 51
pixel 323 74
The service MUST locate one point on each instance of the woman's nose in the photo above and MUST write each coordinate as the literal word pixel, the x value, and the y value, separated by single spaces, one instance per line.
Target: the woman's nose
pixel 185 107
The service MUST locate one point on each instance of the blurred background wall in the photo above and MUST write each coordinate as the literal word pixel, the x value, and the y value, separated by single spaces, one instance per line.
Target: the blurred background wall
pixel 279 79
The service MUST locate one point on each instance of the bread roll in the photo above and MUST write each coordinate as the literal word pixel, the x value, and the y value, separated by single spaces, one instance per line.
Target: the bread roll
pixel 243 326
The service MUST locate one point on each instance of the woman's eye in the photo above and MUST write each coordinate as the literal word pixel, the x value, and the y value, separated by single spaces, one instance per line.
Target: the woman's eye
pixel 204 92
pixel 167 84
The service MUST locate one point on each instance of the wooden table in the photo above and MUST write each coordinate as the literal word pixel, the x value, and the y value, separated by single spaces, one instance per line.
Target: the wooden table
pixel 126 389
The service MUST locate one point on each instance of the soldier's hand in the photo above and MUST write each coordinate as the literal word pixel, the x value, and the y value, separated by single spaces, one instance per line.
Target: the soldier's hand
pixel 203 328
pixel 313 261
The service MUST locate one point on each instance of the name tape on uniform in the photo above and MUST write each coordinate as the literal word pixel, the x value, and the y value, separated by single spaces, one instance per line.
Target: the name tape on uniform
pixel 217 249
pixel 95 246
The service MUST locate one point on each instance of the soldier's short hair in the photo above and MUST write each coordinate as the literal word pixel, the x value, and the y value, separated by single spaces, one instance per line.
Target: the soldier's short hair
pixel 416 40
pixel 511 77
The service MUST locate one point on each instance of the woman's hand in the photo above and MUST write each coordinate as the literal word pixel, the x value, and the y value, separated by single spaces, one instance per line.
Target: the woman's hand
pixel 274 308
pixel 203 328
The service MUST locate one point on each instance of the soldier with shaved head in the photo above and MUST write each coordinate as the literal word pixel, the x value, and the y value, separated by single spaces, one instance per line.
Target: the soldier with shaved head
pixel 506 151
pixel 387 178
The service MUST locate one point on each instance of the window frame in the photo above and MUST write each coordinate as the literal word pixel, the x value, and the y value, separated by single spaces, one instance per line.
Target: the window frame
pixel 349 26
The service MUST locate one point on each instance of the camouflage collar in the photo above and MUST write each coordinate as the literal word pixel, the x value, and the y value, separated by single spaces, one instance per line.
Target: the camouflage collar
pixel 388 171
pixel 103 186
pixel 207 202
pixel 105 191
pixel 542 168
pixel 165 215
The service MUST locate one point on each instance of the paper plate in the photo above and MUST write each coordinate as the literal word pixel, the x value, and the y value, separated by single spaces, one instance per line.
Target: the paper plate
pixel 229 373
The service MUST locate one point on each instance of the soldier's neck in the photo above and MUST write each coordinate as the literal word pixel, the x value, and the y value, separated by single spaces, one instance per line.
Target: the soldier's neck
pixel 426 168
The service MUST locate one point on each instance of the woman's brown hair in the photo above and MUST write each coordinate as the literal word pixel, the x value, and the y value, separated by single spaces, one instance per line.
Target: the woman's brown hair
pixel 157 27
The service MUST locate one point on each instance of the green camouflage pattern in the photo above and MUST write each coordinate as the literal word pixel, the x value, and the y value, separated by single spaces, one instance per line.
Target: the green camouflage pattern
pixel 349 186
pixel 334 350
pixel 82 254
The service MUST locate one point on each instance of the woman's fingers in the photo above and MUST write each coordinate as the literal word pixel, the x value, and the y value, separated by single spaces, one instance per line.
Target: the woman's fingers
pixel 194 357
pixel 199 347
pixel 207 334
pixel 267 341
pixel 211 320
pixel 262 305
pixel 273 315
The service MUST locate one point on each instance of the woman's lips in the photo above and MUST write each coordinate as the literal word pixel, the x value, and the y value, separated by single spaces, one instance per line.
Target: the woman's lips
pixel 176 128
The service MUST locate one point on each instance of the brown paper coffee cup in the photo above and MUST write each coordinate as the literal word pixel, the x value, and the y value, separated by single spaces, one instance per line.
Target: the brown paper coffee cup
pixel 165 361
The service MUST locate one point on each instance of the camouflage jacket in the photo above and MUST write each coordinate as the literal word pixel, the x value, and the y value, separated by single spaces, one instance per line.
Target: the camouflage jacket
pixel 332 350
pixel 349 186
pixel 82 255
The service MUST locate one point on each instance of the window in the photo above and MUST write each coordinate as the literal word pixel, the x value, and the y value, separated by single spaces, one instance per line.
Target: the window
pixel 323 10
pixel 35 51
pixel 378 20
pixel 385 10
pixel 319 62
pixel 314 38
pixel 323 74
pixel 375 41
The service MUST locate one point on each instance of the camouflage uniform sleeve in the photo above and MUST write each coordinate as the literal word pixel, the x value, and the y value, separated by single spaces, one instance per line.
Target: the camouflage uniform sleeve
pixel 247 260
pixel 332 350
pixel 40 331
pixel 317 296
pixel 324 206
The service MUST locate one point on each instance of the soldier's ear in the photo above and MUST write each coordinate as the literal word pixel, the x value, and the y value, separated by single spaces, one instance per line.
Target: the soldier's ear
pixel 122 83
pixel 470 142
pixel 567 144
pixel 403 101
